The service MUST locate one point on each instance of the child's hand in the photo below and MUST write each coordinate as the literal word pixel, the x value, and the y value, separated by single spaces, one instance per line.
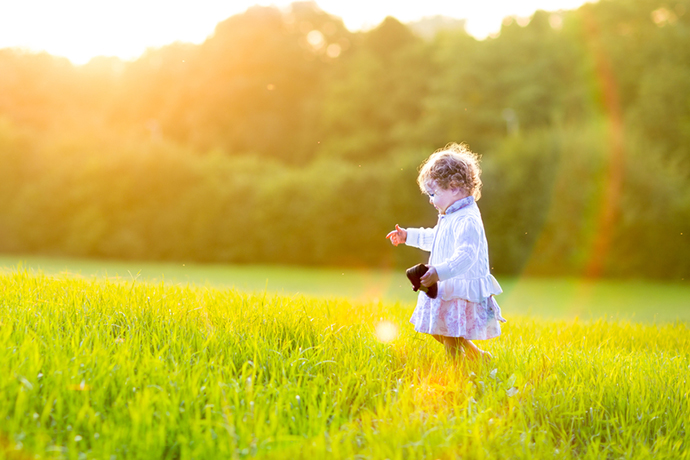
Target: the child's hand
pixel 430 277
pixel 397 236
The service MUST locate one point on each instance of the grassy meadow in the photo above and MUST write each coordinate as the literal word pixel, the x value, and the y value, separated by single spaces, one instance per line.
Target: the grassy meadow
pixel 138 366
pixel 549 298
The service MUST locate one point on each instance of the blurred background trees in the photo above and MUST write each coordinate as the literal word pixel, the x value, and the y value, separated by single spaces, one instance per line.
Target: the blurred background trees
pixel 285 138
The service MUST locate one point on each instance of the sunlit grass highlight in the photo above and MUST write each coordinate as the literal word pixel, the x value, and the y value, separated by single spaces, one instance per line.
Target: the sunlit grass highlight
pixel 135 370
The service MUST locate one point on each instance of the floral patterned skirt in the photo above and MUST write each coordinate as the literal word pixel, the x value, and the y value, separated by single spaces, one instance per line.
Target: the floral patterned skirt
pixel 458 317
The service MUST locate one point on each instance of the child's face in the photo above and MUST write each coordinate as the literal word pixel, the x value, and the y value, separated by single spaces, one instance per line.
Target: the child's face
pixel 442 198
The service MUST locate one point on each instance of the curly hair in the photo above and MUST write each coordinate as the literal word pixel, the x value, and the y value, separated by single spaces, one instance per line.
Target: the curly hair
pixel 454 166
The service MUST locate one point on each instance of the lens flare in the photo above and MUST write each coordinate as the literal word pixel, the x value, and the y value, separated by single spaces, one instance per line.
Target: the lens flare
pixel 386 331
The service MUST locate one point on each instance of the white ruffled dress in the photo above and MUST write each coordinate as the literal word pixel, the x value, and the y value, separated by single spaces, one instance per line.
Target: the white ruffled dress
pixel 465 306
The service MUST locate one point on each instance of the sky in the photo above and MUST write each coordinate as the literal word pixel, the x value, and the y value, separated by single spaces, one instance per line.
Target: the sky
pixel 83 29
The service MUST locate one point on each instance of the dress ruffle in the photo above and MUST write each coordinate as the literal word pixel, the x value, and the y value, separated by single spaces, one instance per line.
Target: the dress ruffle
pixel 458 317
pixel 474 290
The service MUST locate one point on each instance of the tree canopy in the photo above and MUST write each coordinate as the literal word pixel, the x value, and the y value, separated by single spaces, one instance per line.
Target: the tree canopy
pixel 286 138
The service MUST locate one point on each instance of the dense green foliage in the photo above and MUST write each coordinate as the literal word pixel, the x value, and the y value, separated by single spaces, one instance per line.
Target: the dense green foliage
pixel 131 370
pixel 285 138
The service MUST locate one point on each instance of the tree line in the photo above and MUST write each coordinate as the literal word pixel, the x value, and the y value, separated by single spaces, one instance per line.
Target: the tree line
pixel 285 138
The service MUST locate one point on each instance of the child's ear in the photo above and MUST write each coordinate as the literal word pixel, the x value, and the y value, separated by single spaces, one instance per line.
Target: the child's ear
pixel 459 191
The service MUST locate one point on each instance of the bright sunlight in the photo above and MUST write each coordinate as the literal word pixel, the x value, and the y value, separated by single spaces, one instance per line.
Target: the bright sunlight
pixel 82 29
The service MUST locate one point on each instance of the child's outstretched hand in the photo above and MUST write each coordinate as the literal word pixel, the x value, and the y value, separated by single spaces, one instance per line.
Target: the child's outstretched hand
pixel 397 236
pixel 430 277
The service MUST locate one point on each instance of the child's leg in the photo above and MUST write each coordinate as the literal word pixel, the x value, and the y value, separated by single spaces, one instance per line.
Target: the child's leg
pixel 450 343
pixel 472 351
pixel 456 346
pixel 453 346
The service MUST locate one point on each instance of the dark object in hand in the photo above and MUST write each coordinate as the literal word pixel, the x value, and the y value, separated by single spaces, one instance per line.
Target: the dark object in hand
pixel 414 274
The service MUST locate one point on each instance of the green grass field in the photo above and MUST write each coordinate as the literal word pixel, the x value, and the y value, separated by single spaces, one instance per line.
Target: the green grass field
pixel 134 367
pixel 558 298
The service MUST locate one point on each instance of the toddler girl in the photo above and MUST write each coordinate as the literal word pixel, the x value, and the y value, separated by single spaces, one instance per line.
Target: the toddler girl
pixel 464 308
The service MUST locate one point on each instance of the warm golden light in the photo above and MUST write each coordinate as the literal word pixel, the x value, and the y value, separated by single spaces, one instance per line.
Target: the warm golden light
pixel 386 331
pixel 81 29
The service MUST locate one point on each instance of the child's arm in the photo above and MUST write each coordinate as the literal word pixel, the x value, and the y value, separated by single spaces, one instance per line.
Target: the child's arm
pixel 421 238
pixel 397 236
pixel 430 277
pixel 469 253
pixel 468 236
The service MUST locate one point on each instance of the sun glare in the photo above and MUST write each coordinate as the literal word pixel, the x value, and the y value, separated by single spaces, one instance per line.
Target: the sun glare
pixel 386 331
pixel 83 29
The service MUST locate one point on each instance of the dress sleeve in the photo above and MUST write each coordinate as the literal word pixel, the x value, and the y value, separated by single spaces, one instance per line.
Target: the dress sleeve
pixel 467 235
pixel 422 238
